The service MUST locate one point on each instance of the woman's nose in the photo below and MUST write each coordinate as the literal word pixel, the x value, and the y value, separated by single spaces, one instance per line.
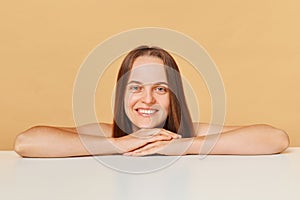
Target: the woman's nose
pixel 148 97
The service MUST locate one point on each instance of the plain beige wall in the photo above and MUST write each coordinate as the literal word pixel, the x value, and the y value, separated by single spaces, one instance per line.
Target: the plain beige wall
pixel 255 45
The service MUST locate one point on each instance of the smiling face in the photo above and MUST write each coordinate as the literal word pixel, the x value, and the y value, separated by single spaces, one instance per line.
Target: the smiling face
pixel 147 97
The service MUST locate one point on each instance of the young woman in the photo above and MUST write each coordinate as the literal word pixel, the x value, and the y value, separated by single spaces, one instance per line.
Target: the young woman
pixel 150 117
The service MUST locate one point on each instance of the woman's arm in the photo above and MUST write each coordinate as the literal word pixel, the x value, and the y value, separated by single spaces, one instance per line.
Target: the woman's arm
pixel 95 129
pixel 253 139
pixel 47 141
pixel 202 129
pixel 247 140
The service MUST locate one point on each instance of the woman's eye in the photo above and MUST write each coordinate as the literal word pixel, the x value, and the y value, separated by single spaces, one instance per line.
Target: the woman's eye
pixel 161 89
pixel 135 88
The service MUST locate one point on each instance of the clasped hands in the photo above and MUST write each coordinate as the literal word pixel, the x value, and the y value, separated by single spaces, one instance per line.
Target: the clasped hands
pixel 152 141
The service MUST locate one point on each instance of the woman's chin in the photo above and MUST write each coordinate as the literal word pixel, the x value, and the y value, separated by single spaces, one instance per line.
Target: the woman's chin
pixel 147 126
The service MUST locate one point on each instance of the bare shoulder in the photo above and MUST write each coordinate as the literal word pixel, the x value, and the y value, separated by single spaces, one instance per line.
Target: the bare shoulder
pixel 95 129
pixel 107 129
pixel 202 129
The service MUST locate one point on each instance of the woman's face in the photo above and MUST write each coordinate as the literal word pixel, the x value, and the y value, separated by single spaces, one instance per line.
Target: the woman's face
pixel 147 96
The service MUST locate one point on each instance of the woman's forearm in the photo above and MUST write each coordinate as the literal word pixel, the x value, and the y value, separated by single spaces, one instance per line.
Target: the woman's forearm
pixel 254 139
pixel 43 141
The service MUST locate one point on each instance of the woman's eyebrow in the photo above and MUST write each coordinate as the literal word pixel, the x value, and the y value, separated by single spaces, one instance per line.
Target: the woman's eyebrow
pixel 161 83
pixel 157 83
pixel 137 82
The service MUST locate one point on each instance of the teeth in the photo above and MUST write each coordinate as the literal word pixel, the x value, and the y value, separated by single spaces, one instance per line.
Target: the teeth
pixel 146 111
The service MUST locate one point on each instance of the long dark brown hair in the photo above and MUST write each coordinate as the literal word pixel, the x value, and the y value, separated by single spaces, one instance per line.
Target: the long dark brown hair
pixel 178 120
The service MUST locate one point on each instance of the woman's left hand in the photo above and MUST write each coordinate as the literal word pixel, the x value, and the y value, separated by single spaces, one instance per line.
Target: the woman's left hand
pixel 175 147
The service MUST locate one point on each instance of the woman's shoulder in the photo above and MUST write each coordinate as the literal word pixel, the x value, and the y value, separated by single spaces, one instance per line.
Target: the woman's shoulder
pixel 107 129
pixel 96 129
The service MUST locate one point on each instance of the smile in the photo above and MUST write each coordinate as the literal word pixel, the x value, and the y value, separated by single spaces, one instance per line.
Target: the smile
pixel 146 112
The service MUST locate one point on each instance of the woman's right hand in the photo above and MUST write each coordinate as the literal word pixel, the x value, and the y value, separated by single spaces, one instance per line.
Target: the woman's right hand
pixel 143 137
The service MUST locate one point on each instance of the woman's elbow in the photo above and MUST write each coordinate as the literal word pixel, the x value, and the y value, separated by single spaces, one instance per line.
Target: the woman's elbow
pixel 20 144
pixel 285 141
pixel 281 140
pixel 272 140
pixel 24 142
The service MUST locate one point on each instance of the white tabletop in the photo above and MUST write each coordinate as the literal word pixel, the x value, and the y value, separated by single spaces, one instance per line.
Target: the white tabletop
pixel 152 177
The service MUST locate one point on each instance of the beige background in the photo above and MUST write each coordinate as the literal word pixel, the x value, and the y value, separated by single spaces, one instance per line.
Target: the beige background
pixel 255 45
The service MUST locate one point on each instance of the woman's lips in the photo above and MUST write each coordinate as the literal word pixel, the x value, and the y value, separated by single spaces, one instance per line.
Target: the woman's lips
pixel 146 112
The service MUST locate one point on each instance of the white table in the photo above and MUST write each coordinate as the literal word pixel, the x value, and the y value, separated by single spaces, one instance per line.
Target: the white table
pixel 265 177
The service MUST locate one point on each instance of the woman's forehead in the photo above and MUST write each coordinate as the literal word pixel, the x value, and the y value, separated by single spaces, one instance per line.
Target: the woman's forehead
pixel 141 60
pixel 148 73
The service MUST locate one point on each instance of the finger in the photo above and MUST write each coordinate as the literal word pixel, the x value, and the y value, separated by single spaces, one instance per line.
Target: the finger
pixel 131 144
pixel 159 138
pixel 149 149
pixel 145 148
pixel 148 133
pixel 144 133
pixel 140 150
pixel 174 135
pixel 132 154
pixel 157 131
pixel 145 142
